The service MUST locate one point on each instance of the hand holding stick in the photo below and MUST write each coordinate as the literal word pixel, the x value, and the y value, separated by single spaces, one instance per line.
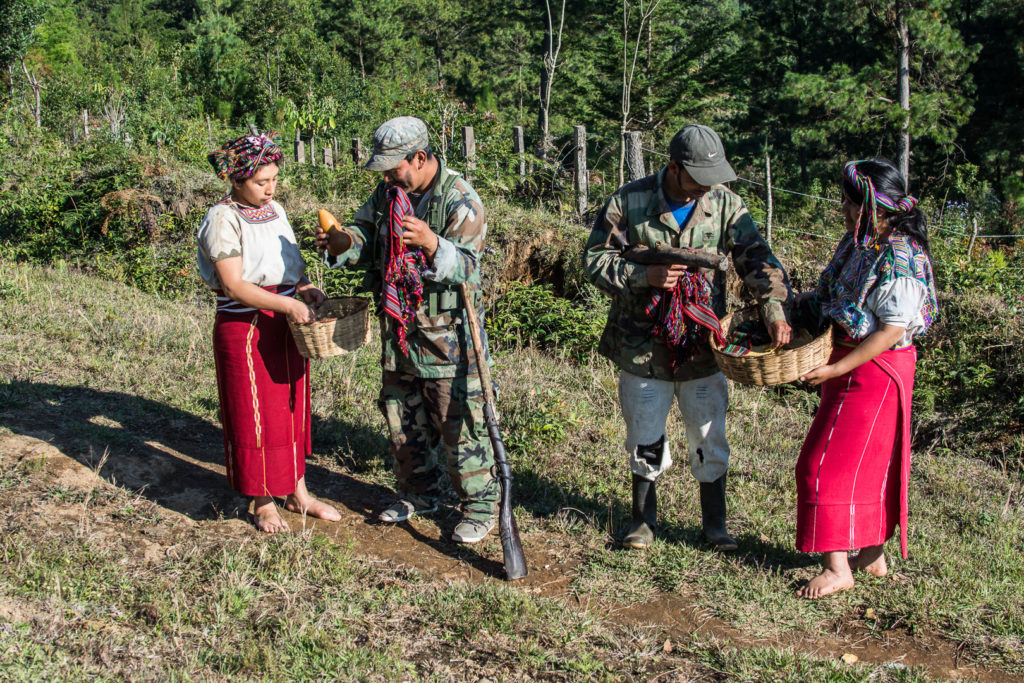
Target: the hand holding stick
pixel 664 255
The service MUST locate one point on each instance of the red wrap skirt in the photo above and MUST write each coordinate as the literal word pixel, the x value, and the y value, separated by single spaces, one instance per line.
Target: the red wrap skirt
pixel 263 383
pixel 854 466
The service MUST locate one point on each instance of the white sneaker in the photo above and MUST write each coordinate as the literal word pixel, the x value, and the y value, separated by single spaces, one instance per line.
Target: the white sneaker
pixel 473 529
pixel 404 508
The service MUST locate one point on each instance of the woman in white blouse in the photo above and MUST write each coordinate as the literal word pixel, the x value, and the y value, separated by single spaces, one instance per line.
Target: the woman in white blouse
pixel 879 292
pixel 248 256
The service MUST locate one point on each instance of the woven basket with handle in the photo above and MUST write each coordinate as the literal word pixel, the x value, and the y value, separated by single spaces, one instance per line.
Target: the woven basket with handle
pixel 342 325
pixel 773 367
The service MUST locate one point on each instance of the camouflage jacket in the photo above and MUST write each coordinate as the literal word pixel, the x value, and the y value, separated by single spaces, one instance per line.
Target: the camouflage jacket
pixel 439 337
pixel 639 214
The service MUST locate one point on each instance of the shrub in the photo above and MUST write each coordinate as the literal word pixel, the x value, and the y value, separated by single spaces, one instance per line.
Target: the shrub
pixel 532 315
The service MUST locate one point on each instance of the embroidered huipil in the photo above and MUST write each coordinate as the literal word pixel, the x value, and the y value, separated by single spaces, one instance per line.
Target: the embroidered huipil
pixel 261 236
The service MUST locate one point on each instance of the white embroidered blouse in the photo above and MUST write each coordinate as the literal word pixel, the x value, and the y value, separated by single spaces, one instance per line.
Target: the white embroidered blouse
pixel 262 236
pixel 898 303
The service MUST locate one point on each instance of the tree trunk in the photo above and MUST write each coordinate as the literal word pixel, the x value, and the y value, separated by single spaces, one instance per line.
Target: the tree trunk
pixel 543 124
pixel 34 84
pixel 437 57
pixel 650 74
pixel 552 46
pixel 903 76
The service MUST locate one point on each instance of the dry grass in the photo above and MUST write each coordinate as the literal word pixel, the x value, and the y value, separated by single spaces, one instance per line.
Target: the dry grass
pixel 103 579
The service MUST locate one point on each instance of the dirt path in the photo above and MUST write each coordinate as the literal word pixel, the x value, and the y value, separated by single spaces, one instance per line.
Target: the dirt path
pixel 177 472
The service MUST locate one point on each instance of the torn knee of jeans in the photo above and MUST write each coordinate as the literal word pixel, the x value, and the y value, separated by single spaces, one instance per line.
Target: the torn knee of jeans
pixel 652 452
pixel 700 454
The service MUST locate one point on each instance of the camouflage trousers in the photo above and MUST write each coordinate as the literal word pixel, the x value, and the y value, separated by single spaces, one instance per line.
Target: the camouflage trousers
pixel 426 416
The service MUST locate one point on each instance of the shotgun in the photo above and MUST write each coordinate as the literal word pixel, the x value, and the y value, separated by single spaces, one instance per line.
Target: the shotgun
pixel 664 255
pixel 511 546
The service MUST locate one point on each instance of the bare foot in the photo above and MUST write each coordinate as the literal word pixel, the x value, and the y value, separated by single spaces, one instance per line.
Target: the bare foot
pixel 870 560
pixel 266 517
pixel 304 504
pixel 824 583
pixel 311 507
pixel 835 576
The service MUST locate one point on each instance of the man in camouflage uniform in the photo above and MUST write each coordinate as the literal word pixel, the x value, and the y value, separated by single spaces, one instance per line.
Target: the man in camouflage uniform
pixel 684 205
pixel 430 397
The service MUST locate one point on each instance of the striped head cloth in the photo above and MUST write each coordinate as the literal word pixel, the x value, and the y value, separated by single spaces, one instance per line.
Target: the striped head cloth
pixel 240 158
pixel 872 201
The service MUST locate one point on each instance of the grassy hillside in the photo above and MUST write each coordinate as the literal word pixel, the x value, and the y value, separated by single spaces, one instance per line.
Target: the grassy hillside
pixel 126 555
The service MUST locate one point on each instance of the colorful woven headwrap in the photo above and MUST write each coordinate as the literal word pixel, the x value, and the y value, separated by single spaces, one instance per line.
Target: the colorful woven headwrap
pixel 872 200
pixel 240 158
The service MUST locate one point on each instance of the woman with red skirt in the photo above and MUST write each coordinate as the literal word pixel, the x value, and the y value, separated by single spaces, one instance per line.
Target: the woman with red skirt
pixel 854 466
pixel 248 255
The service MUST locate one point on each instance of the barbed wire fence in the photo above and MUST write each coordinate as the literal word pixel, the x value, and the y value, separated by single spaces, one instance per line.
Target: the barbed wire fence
pixel 512 162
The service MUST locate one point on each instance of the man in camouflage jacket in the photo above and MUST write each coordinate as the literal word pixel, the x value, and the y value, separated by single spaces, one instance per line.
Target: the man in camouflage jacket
pixel 684 205
pixel 432 394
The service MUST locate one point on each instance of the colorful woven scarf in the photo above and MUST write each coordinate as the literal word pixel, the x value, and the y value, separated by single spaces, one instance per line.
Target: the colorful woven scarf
pixel 240 158
pixel 684 318
pixel 866 230
pixel 855 270
pixel 745 337
pixel 403 283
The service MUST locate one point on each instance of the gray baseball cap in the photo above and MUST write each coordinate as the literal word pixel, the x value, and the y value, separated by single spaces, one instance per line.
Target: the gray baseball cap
pixel 396 139
pixel 699 150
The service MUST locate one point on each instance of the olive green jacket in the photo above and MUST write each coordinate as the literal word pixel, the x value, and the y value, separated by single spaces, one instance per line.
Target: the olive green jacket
pixel 639 214
pixel 439 337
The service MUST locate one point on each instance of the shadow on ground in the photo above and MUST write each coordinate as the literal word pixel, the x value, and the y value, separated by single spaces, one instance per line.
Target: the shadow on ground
pixel 176 459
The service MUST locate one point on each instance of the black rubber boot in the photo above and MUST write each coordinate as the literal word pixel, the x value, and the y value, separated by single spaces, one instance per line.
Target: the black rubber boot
pixel 712 508
pixel 645 515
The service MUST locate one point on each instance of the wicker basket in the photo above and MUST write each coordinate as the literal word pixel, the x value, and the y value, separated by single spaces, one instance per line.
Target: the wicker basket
pixel 772 367
pixel 342 325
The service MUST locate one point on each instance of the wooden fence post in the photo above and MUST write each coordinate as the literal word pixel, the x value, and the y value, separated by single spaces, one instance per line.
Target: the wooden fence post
pixel 469 151
pixel 519 147
pixel 85 123
pixel 357 151
pixel 974 237
pixel 768 186
pixel 634 154
pixel 581 169
pixel 253 129
pixel 300 149
pixel 312 150
pixel 209 131
pixel 328 156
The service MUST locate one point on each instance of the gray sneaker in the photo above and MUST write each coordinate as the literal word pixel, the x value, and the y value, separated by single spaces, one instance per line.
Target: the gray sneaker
pixel 404 508
pixel 473 527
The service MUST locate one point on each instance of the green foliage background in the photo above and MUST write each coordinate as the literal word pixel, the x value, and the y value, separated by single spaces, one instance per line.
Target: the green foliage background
pixel 811 85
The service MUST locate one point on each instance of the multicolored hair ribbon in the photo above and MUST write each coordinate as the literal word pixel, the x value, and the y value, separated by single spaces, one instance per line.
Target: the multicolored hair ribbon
pixel 240 158
pixel 403 282
pixel 872 200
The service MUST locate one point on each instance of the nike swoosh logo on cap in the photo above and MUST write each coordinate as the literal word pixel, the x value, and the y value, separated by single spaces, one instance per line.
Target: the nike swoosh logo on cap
pixel 711 154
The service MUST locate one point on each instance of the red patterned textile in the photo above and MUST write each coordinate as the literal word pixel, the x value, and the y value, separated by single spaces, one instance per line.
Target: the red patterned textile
pixel 854 466
pixel 684 317
pixel 402 292
pixel 264 402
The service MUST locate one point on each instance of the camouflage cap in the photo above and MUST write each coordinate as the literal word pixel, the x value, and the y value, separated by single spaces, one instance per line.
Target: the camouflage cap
pixel 396 139
pixel 699 150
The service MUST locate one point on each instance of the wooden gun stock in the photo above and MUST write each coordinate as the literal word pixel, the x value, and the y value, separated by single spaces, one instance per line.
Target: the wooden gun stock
pixel 511 546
